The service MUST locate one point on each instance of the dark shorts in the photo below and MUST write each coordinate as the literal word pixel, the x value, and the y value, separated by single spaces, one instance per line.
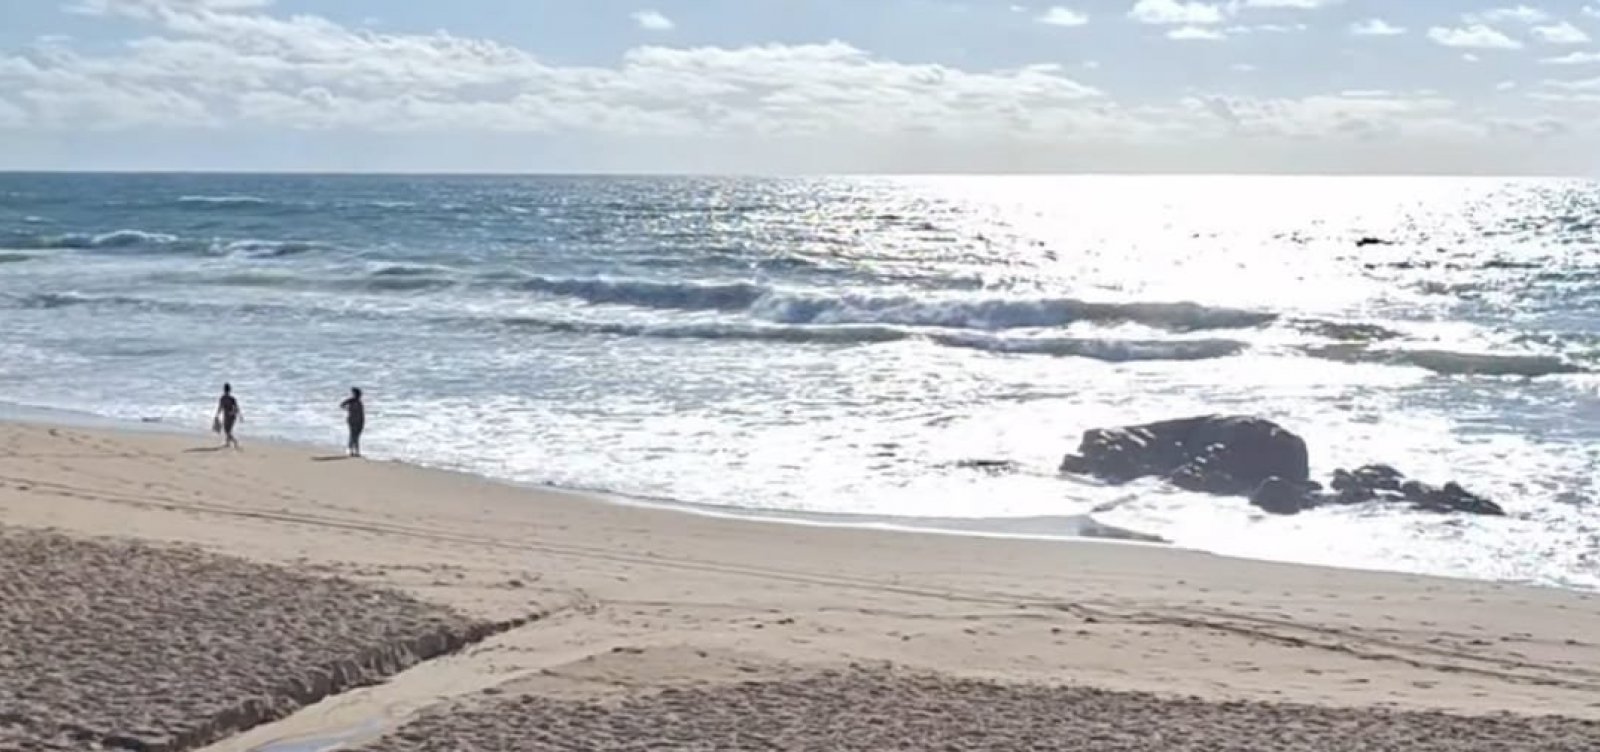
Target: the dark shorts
pixel 355 428
pixel 228 421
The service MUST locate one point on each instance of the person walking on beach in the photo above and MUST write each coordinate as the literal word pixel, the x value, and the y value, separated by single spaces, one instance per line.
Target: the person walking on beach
pixel 228 414
pixel 355 417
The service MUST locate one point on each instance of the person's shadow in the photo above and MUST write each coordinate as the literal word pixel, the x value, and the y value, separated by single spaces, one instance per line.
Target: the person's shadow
pixel 204 450
pixel 331 458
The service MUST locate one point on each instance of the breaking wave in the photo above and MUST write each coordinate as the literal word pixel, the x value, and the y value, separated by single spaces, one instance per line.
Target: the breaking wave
pixel 114 239
pixel 224 202
pixel 1450 362
pixel 1109 350
pixel 963 312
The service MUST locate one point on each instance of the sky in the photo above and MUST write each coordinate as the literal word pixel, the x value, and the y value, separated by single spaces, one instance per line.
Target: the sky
pixel 802 86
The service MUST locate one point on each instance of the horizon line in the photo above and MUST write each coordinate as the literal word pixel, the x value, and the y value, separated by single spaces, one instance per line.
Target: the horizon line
pixel 779 174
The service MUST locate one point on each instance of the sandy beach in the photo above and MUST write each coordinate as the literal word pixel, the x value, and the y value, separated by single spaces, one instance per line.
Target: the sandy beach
pixel 635 611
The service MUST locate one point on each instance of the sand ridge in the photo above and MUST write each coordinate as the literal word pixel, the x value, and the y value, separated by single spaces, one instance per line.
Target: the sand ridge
pixel 123 645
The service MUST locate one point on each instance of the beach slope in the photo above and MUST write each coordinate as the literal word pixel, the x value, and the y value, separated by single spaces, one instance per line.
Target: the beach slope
pixel 715 602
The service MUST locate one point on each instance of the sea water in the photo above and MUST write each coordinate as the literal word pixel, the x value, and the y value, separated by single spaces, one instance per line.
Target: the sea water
pixel 842 348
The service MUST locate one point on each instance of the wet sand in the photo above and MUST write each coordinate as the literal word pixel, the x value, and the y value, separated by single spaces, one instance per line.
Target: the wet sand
pixel 620 580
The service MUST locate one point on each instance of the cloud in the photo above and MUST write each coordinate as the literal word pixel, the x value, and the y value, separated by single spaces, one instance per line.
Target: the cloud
pixel 308 73
pixel 1196 34
pixel 250 73
pixel 1519 13
pixel 1561 33
pixel 1266 29
pixel 1059 16
pixel 1573 58
pixel 1237 5
pixel 651 20
pixel 152 8
pixel 1376 27
pixel 1573 85
pixel 1476 36
pixel 1175 12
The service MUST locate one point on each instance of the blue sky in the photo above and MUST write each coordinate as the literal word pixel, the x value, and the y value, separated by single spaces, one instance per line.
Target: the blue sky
pixel 1430 86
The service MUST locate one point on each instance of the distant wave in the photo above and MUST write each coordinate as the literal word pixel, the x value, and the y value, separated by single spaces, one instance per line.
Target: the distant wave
pixel 1097 348
pixel 725 296
pixel 965 312
pixel 225 201
pixel 849 334
pixel 993 313
pixel 270 248
pixel 1451 363
pixel 114 239
pixel 12 258
pixel 1110 350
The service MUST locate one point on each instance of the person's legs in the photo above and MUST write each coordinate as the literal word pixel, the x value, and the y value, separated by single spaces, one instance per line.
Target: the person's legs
pixel 227 430
pixel 354 445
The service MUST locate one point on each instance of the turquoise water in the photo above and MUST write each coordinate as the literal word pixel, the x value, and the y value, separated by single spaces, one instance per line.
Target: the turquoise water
pixel 836 347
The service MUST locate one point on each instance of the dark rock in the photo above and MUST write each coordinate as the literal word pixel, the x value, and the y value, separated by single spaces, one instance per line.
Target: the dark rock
pixel 1279 496
pixel 1244 456
pixel 1451 498
pixel 994 467
pixel 1229 455
pixel 1364 242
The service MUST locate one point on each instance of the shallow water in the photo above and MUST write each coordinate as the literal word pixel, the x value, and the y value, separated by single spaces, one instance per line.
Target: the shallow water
pixel 837 347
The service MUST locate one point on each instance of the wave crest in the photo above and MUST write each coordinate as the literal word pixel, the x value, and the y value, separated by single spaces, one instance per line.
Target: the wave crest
pixel 225 201
pixel 951 312
pixel 1450 362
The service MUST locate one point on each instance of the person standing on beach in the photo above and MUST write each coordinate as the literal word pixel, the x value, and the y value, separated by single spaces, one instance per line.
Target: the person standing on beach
pixel 355 416
pixel 228 413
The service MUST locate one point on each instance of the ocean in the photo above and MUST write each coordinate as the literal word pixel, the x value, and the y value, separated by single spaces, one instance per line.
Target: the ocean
pixel 841 349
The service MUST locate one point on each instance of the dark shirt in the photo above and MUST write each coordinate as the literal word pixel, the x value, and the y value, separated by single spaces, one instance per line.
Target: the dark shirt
pixel 229 406
pixel 357 414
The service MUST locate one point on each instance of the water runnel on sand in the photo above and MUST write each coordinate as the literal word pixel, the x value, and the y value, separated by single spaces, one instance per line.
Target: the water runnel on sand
pixel 111 645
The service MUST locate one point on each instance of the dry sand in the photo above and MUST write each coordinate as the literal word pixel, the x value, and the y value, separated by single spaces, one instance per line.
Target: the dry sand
pixel 107 644
pixel 1116 617
pixel 883 709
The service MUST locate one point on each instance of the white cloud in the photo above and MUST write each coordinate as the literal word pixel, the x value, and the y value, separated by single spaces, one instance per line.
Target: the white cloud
pixel 1266 29
pixel 1520 13
pixel 1476 36
pixel 1469 57
pixel 1506 86
pixel 1175 12
pixel 1195 34
pixel 1581 84
pixel 651 20
pixel 1592 11
pixel 1236 5
pixel 1573 58
pixel 1059 16
pixel 1376 27
pixel 243 73
pixel 309 73
pixel 152 8
pixel 1243 67
pixel 1561 33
